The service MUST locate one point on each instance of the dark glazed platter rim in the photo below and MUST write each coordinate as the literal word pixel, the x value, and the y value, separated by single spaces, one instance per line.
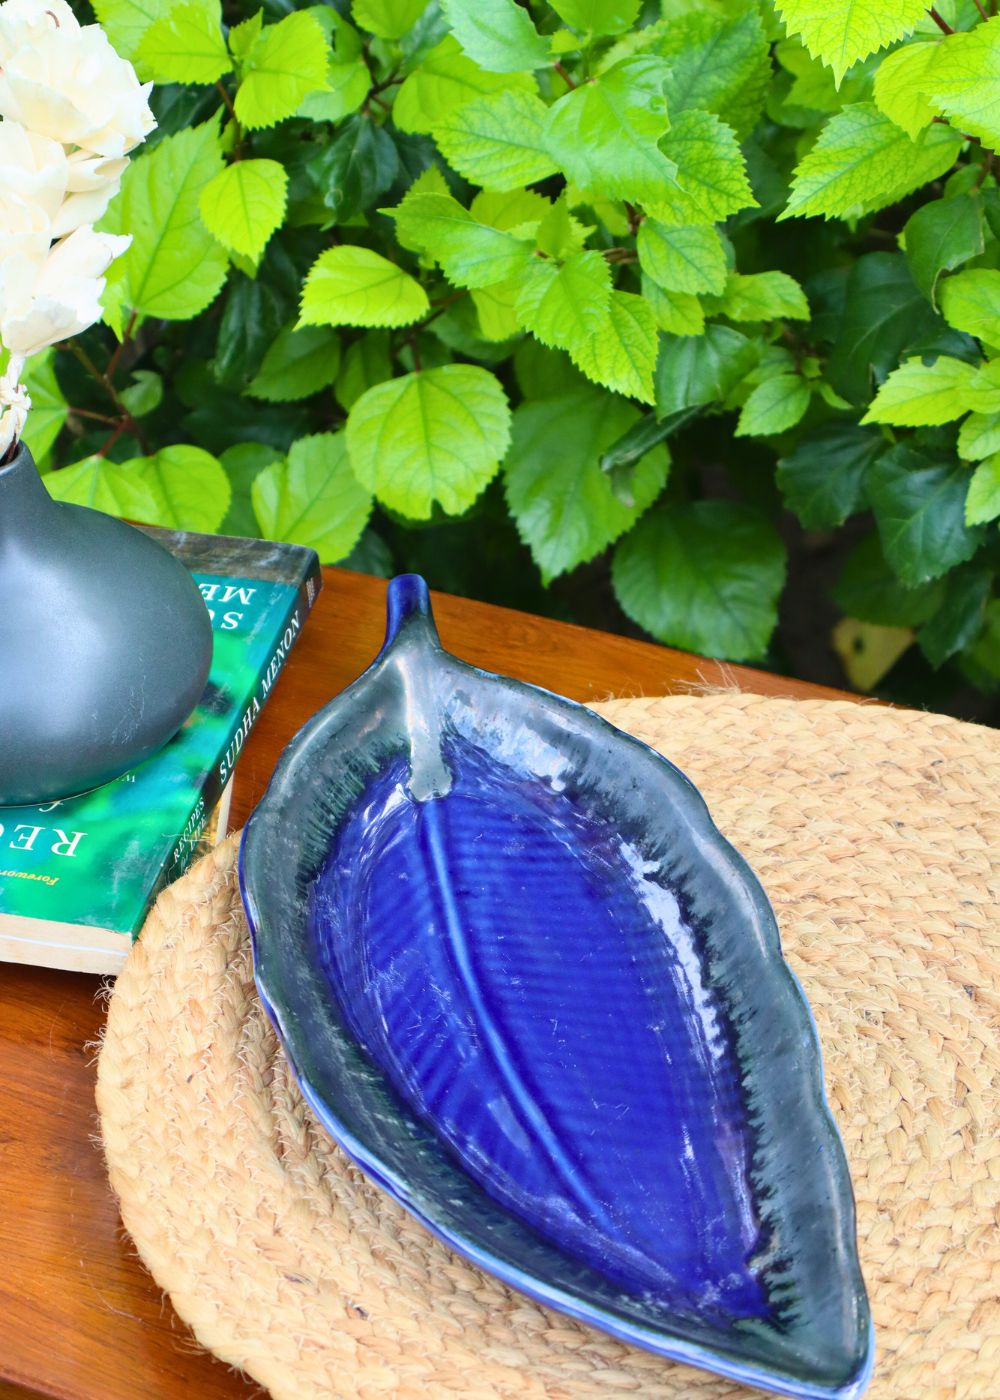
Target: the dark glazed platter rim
pixel 357 1107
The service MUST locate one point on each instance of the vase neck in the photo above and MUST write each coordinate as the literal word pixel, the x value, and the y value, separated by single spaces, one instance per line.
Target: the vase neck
pixel 24 502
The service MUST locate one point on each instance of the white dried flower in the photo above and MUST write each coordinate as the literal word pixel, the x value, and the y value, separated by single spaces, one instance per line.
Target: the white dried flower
pixel 65 297
pixel 14 405
pixel 33 168
pixel 93 183
pixel 26 22
pixel 70 111
pixel 72 87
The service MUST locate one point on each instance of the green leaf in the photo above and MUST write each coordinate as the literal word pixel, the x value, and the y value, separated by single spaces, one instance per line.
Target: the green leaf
pixel 763 296
pixel 497 141
pixel 371 555
pixel 703 369
pixel 125 22
pixel 704 576
pixel 899 85
pixel 185 45
pixel 357 166
pixel 868 590
pixel 495 311
pixel 345 89
pixel 621 353
pixel 983 501
pixel 822 478
pixel 565 306
pixel 711 172
pixel 437 435
pixel 144 395
pixel 472 254
pixel 863 161
pixel 189 486
pixel 561 500
pixel 940 236
pixel 917 394
pixel 919 508
pixel 961 81
pixel 676 312
pixel 682 258
pixel 445 80
pixel 620 461
pixel 814 85
pixel 515 209
pixel 350 286
pixel 970 301
pixel 243 463
pixel 545 374
pixel 984 387
pixel 598 16
pixel 253 313
pixel 287 62
pixel 604 134
pixel 244 204
pixel 174 268
pixel 958 620
pixel 842 34
pixel 774 406
pixel 244 35
pixel 979 436
pixel 496 34
pixel 559 234
pixel 982 659
pixel 389 19
pixel 313 498
pixel 884 312
pixel 720 63
pixel 103 485
pixel 48 406
pixel 366 362
pixel 298 364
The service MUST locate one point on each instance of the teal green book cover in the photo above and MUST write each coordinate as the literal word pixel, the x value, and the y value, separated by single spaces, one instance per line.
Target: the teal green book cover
pixel 77 877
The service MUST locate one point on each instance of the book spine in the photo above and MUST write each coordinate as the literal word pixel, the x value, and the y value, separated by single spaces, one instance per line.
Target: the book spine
pixel 221 774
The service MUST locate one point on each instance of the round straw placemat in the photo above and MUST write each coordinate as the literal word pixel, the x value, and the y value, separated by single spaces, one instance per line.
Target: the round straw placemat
pixel 876 833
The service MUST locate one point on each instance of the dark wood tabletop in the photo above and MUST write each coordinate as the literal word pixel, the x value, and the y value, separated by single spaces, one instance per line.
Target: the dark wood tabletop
pixel 79 1316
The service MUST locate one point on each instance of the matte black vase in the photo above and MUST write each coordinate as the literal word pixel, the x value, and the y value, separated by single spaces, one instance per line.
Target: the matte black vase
pixel 105 643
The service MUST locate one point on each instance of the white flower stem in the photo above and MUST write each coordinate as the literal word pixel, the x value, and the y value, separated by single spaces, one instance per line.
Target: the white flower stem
pixel 14 406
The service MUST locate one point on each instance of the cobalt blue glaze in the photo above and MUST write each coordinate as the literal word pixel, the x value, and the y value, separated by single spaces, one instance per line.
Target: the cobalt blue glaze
pixel 529 988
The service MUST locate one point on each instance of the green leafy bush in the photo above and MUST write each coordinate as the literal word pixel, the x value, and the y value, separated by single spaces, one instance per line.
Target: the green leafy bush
pixel 679 288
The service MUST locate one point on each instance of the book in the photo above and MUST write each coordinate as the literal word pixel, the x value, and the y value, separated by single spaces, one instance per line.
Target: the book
pixel 78 876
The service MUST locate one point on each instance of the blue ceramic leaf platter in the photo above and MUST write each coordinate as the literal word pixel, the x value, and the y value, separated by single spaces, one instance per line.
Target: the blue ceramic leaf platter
pixel 530 989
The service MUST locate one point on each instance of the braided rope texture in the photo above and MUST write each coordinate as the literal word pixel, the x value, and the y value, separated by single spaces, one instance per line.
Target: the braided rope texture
pixel 876 833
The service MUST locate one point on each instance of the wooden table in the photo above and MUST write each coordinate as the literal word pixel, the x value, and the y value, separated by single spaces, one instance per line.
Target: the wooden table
pixel 79 1315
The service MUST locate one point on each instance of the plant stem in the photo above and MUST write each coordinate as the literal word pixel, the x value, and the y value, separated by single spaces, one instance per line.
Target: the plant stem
pixel 940 21
pixel 103 451
pixel 117 353
pixel 965 135
pixel 127 423
pixel 386 82
pixel 984 169
pixel 981 8
pixel 228 102
pixel 620 255
pixel 97 417
pixel 441 302
pixel 560 69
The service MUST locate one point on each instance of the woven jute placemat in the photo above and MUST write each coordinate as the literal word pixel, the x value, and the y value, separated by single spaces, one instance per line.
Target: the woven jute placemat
pixel 877 835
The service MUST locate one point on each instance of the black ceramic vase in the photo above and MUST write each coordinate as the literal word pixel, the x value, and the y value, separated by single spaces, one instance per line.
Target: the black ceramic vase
pixel 105 643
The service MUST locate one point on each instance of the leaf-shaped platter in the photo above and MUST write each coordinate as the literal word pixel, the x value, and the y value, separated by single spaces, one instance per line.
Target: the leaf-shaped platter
pixel 531 990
